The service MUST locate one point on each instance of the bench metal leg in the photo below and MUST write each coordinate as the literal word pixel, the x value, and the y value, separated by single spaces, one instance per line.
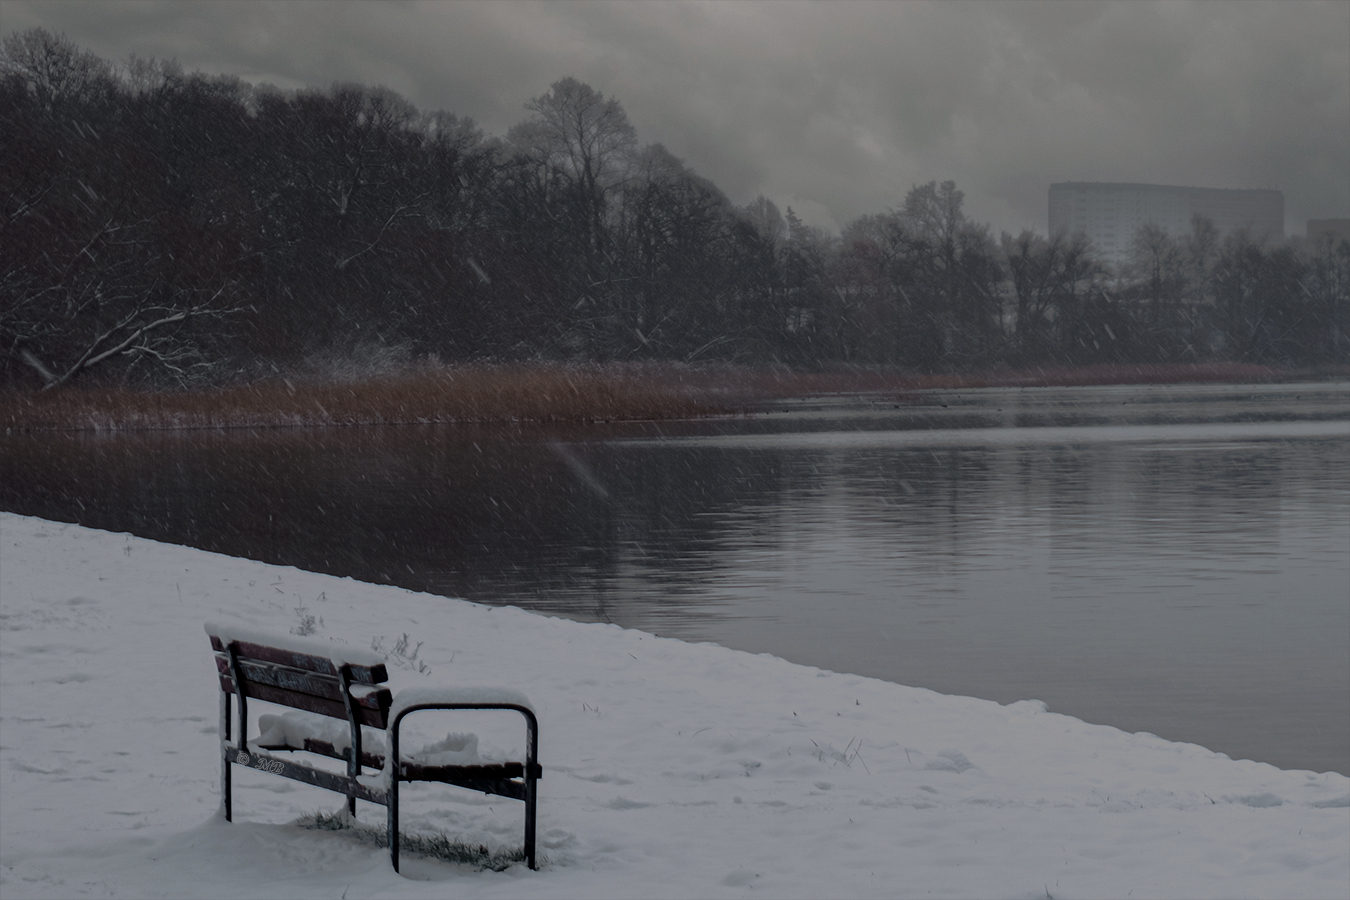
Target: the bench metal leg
pixel 242 698
pixel 531 789
pixel 391 795
pixel 225 792
pixel 531 770
pixel 354 722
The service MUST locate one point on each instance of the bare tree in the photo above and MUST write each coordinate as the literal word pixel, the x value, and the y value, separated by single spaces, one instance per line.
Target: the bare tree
pixel 1157 264
pixel 1327 287
pixel 580 134
pixel 956 276
pixel 1201 251
pixel 1052 282
pixel 666 237
pixel 56 72
pixel 585 151
pixel 95 266
pixel 104 303
pixel 866 275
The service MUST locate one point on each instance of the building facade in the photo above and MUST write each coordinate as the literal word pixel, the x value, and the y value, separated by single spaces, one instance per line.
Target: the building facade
pixel 1110 213
pixel 1337 228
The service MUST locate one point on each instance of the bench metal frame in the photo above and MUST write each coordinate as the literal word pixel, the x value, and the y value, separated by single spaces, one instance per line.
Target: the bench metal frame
pixel 261 677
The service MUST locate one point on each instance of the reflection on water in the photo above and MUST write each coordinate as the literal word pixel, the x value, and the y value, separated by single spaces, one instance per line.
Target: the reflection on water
pixel 1175 560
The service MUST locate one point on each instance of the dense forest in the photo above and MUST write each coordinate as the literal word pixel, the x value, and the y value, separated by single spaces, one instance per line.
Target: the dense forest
pixel 164 229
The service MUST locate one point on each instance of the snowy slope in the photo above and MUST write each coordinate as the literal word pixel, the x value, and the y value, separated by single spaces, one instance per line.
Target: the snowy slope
pixel 670 769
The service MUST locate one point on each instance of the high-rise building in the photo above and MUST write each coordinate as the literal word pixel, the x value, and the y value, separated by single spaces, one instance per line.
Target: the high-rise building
pixel 1110 214
pixel 1339 228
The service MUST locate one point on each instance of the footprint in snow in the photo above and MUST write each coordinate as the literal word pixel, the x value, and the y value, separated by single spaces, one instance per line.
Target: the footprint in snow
pixel 622 803
pixel 949 761
pixel 557 838
pixel 1259 801
pixel 602 779
pixel 1333 803
pixel 76 677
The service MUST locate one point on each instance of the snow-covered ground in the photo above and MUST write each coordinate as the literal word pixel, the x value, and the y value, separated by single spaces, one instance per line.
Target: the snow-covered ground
pixel 670 769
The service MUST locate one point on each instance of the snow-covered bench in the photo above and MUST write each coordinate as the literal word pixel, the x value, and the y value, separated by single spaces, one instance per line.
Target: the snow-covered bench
pixel 340 683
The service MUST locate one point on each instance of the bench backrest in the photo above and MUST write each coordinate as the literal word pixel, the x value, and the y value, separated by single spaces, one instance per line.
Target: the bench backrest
pixel 302 680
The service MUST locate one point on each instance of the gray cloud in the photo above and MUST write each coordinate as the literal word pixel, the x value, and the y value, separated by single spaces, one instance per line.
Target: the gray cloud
pixel 835 108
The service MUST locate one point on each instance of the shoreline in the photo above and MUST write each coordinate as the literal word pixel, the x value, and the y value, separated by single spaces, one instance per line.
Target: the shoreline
pixel 550 394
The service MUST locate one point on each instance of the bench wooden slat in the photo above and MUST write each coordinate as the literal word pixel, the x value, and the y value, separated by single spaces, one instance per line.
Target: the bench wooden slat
pixel 419 772
pixel 377 717
pixel 331 781
pixel 490 779
pixel 287 678
pixel 494 772
pixel 323 748
pixel 377 674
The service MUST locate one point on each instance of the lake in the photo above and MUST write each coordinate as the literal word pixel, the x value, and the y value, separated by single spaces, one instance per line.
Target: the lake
pixel 1171 559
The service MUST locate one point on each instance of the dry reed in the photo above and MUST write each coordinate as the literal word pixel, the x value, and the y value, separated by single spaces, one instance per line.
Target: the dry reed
pixel 537 393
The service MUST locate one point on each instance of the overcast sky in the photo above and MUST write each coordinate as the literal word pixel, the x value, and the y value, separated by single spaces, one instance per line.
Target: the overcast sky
pixel 836 109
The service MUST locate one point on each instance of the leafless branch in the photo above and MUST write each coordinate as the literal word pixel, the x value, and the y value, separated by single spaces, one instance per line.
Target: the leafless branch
pixel 119 340
pixel 398 213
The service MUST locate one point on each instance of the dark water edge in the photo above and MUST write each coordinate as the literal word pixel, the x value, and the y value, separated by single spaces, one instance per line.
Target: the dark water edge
pixel 1188 580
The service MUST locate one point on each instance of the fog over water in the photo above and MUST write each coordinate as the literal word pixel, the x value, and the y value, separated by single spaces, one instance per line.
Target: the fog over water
pixel 1166 559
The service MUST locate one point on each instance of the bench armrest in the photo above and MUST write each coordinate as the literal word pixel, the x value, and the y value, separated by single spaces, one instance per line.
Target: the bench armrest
pixel 411 700
pixel 467 697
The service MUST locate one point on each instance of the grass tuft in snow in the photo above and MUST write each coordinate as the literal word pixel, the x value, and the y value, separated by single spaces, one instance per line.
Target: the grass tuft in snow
pixel 433 846
pixel 400 655
pixel 308 623
pixel 847 756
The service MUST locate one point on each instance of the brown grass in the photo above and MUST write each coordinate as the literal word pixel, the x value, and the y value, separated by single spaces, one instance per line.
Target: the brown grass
pixel 468 394
pixel 539 393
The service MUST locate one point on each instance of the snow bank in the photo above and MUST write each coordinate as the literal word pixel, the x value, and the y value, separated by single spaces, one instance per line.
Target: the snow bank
pixel 670 769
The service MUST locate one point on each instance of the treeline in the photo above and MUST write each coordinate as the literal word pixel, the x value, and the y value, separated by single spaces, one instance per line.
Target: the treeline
pixel 164 228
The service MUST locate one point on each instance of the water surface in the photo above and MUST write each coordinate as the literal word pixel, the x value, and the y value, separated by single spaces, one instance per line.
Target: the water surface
pixel 1164 559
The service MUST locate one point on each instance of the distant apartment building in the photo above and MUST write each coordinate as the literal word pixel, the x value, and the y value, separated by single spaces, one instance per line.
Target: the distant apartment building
pixel 1110 214
pixel 1318 228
